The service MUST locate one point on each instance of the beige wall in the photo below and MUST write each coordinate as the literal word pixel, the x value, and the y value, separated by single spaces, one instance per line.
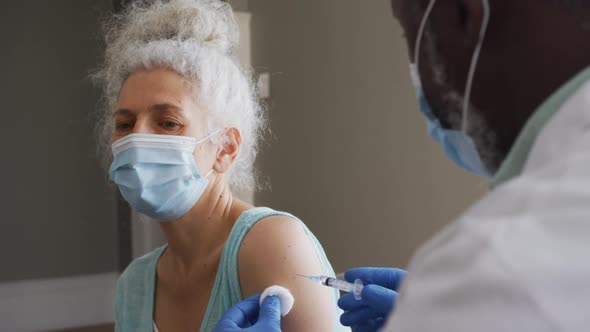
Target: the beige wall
pixel 350 153
pixel 59 214
pixel 239 5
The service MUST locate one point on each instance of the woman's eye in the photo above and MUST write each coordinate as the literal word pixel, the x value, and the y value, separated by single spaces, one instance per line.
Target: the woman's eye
pixel 169 125
pixel 124 126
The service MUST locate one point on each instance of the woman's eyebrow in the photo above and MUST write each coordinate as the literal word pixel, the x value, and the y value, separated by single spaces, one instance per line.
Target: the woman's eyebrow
pixel 163 107
pixel 123 112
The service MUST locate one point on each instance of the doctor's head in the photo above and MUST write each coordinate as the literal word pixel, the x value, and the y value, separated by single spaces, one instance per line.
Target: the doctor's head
pixel 170 68
pixel 529 48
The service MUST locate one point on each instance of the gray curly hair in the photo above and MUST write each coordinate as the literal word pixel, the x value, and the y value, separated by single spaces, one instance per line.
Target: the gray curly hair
pixel 197 39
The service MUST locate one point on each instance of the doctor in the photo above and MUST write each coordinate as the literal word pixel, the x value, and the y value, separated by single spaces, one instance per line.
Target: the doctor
pixel 505 88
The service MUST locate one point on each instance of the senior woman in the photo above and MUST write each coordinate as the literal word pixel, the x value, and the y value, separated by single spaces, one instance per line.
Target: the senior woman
pixel 184 123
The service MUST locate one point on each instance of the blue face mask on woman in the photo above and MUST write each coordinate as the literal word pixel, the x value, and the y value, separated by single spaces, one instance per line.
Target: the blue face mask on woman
pixel 157 174
pixel 457 144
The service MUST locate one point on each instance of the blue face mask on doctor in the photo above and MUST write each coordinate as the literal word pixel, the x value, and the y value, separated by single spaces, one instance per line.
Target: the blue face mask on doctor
pixel 457 144
pixel 157 174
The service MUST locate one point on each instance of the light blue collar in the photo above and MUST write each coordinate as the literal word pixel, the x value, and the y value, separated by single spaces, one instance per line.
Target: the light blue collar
pixel 516 159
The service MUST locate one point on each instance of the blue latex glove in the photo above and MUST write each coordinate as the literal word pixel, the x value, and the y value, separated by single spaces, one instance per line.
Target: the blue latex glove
pixel 378 298
pixel 249 316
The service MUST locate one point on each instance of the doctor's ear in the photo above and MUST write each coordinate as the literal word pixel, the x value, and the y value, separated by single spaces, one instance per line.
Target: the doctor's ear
pixel 228 150
pixel 470 17
pixel 458 20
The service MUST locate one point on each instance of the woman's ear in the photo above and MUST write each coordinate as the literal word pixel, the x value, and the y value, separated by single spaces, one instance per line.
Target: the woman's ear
pixel 228 151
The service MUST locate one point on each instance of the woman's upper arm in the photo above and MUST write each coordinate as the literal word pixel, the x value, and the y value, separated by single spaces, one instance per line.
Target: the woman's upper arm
pixel 272 253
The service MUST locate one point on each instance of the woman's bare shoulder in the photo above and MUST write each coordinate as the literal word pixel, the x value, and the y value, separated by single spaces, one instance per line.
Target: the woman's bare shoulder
pixel 273 252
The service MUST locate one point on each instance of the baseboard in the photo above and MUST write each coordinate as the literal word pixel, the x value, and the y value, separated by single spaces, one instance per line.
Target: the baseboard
pixel 53 304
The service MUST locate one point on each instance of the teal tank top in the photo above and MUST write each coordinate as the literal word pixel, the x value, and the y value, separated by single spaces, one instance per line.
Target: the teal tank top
pixel 134 299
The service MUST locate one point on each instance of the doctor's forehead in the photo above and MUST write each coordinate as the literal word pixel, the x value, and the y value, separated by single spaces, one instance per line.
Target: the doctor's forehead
pixel 407 12
pixel 401 8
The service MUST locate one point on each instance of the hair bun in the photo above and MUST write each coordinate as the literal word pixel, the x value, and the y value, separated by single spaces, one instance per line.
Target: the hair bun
pixel 208 23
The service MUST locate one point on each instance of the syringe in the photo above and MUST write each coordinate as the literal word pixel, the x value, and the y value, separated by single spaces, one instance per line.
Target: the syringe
pixel 355 288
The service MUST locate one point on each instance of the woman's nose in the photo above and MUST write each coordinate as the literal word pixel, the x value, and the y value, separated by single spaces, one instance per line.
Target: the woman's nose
pixel 142 127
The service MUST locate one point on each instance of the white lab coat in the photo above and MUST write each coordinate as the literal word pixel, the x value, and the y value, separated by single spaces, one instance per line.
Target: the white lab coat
pixel 519 260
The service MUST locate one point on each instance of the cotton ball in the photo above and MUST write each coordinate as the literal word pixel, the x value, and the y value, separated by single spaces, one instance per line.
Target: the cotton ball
pixel 284 296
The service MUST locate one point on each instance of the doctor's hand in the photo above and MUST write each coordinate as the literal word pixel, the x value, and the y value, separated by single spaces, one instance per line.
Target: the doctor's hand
pixel 378 298
pixel 249 316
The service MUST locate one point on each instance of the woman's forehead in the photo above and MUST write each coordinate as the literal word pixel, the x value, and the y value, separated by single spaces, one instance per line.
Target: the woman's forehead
pixel 160 88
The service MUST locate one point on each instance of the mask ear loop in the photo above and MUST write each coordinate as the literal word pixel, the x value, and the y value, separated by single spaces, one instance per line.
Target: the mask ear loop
pixel 421 33
pixel 473 66
pixel 215 132
pixel 474 59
